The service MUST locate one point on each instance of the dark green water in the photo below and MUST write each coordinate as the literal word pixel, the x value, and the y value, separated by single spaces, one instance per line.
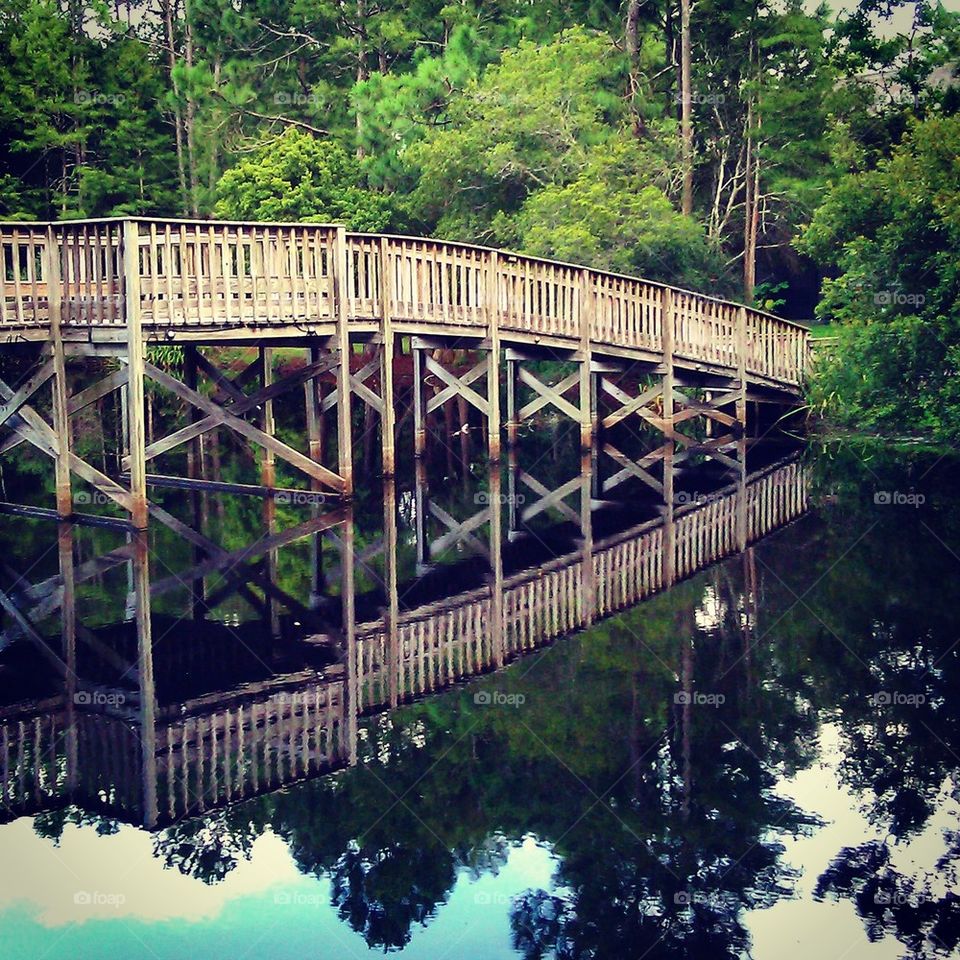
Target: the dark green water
pixel 762 761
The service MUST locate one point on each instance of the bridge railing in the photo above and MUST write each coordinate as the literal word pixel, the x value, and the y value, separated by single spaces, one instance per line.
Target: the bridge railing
pixel 251 275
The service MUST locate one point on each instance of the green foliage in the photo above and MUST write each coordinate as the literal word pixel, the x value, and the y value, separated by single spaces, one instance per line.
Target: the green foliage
pixel 528 122
pixel 80 127
pixel 530 125
pixel 397 110
pixel 302 178
pixel 766 296
pixel 614 215
pixel 891 236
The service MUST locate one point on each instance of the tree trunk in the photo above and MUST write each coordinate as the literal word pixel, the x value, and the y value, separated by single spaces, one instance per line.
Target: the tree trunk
pixel 632 43
pixel 751 208
pixel 669 53
pixel 362 72
pixel 191 121
pixel 177 119
pixel 214 157
pixel 686 121
pixel 631 35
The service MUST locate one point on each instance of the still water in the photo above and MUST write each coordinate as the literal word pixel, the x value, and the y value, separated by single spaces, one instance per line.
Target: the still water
pixel 385 731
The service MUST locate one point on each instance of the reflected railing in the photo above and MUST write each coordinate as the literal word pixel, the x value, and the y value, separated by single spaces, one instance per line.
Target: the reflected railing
pixel 204 713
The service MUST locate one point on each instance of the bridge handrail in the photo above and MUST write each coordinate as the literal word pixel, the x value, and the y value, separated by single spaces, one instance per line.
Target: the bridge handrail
pixel 252 274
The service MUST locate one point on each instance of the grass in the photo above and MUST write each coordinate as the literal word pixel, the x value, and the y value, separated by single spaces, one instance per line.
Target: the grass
pixel 825 330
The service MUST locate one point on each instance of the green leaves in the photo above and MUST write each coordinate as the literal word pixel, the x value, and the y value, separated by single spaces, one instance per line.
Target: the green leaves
pixel 528 122
pixel 615 215
pixel 303 178
pixel 892 237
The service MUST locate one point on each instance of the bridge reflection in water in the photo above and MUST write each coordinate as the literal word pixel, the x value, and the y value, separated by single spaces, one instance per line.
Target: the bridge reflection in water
pixel 219 711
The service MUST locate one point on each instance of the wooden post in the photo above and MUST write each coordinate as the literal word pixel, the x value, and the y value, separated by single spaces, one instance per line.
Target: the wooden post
pixel 268 478
pixel 421 493
pixel 512 504
pixel 493 370
pixel 271 608
pixel 314 415
pixel 497 638
pixel 667 322
pixel 194 469
pixel 350 638
pixel 391 613
pixel 513 426
pixel 61 416
pixel 68 623
pixel 588 586
pixel 267 464
pixel 387 351
pixel 190 379
pixel 669 533
pixel 742 367
pixel 742 495
pixel 340 292
pixel 419 413
pixel 587 310
pixel 463 426
pixel 313 402
pixel 148 700
pixel 136 429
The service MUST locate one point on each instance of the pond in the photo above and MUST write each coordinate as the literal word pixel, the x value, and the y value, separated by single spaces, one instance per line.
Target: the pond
pixel 494 712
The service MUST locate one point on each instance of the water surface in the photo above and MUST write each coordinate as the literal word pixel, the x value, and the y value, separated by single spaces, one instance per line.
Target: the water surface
pixel 760 760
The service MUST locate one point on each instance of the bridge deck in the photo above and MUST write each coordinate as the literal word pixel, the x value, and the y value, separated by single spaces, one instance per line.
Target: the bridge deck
pixel 204 281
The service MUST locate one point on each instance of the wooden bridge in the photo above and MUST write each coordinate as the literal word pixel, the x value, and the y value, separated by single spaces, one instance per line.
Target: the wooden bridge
pixel 165 761
pixel 114 287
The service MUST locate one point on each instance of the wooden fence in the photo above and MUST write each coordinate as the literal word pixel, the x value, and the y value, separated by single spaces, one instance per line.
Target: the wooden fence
pixel 283 278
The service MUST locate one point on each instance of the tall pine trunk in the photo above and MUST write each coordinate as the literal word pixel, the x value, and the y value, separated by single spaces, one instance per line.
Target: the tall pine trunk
pixel 191 119
pixel 177 118
pixel 686 117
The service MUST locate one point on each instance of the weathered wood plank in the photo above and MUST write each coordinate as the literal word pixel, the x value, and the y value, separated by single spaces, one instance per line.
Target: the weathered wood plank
pixel 223 416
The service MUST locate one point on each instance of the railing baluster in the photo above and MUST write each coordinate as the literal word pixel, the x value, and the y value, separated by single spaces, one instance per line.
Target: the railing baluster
pixel 203 274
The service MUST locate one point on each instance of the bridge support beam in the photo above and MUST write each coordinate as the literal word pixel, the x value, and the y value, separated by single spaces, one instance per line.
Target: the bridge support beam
pixel 456 384
pixel 344 436
pixel 387 359
pixel 582 412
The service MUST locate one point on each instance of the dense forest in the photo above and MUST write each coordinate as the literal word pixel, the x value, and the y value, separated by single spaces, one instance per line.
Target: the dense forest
pixel 783 154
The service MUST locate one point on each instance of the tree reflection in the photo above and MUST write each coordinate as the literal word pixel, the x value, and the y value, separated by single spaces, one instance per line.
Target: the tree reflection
pixel 884 665
pixel 645 755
